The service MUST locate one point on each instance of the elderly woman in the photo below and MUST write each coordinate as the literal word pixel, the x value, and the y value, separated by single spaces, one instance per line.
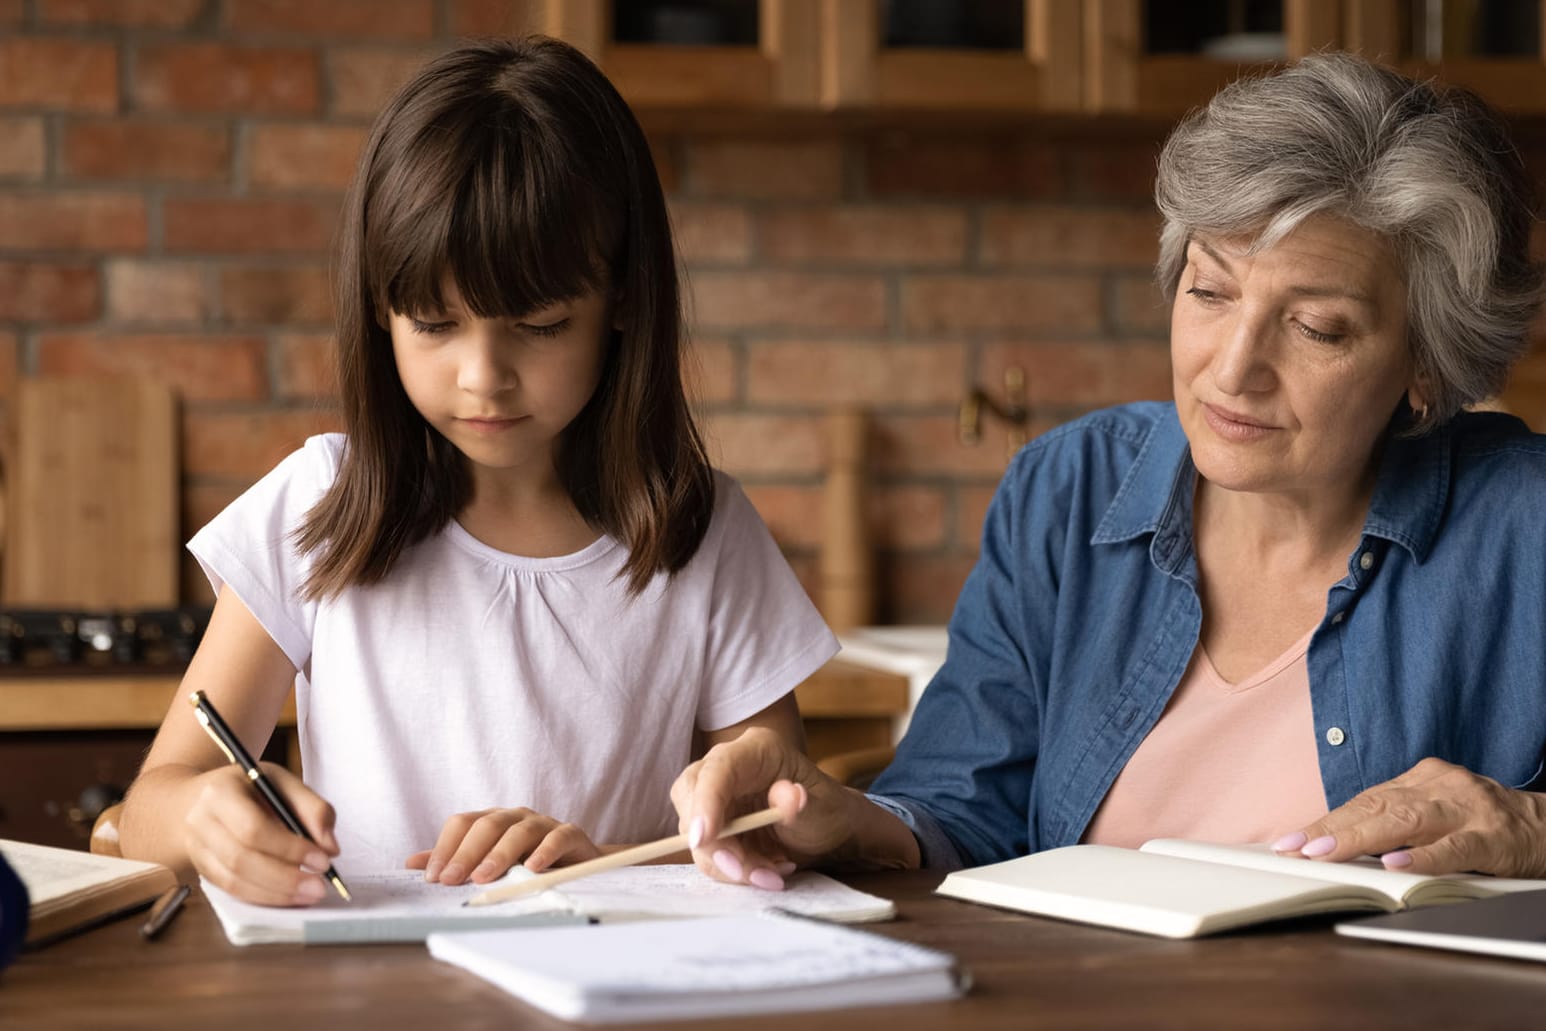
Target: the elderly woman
pixel 1306 602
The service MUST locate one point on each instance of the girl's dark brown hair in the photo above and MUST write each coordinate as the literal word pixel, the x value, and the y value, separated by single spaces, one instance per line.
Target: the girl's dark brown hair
pixel 514 167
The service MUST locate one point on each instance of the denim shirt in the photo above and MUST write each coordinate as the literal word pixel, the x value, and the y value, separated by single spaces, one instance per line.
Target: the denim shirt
pixel 1082 614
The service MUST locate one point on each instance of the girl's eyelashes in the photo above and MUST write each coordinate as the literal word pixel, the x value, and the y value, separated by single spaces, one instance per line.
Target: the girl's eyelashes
pixel 424 327
pixel 429 328
pixel 549 329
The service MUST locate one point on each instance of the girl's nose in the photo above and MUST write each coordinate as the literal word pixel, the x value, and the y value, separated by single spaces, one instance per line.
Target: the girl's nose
pixel 485 370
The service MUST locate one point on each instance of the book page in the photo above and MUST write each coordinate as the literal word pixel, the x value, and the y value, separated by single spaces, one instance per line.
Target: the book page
pixel 1366 871
pixel 684 891
pixel 56 873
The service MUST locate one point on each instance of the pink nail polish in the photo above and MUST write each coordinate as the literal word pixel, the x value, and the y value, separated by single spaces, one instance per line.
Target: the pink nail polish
pixel 728 864
pixel 1290 842
pixel 1321 846
pixel 695 832
pixel 786 868
pixel 766 879
pixel 1396 860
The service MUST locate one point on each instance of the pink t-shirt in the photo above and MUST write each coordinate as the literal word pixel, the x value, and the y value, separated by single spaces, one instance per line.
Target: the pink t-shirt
pixel 1232 763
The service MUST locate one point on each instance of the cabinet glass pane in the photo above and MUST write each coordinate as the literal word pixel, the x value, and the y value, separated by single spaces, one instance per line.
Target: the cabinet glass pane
pixel 1230 30
pixel 686 22
pixel 955 24
pixel 1456 29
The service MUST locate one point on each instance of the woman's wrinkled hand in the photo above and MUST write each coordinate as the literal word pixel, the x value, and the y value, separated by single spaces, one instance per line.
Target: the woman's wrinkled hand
pixel 484 845
pixel 756 770
pixel 1435 818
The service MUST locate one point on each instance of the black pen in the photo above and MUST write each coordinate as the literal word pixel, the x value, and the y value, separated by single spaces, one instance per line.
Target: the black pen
pixel 166 907
pixel 217 729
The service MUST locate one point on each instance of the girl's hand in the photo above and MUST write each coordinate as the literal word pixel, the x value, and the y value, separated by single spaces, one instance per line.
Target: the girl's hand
pixel 1435 818
pixel 485 845
pixel 760 769
pixel 234 839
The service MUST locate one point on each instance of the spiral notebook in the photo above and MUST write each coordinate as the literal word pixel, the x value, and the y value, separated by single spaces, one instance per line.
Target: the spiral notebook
pixel 711 967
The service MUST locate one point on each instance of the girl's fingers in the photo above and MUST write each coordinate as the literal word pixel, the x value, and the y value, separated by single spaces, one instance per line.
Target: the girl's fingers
pixel 252 875
pixel 315 814
pixel 565 843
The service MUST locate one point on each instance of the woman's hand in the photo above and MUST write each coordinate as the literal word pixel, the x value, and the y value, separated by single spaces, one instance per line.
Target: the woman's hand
pixel 484 846
pixel 233 838
pixel 755 770
pixel 1435 818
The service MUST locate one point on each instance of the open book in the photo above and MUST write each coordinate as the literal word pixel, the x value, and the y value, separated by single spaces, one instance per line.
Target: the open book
pixel 71 890
pixel 1181 889
pixel 721 966
pixel 400 906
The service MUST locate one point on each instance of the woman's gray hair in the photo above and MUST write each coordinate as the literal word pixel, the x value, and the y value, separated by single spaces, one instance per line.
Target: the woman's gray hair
pixel 1430 169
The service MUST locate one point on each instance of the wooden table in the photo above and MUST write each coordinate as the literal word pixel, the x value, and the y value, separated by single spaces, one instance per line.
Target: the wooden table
pixel 1029 973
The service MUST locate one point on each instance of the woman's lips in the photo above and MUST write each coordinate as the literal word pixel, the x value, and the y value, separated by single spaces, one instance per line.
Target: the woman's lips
pixel 1234 425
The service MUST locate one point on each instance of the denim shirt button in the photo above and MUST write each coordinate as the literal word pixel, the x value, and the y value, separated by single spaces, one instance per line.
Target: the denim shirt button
pixel 1366 561
pixel 1335 737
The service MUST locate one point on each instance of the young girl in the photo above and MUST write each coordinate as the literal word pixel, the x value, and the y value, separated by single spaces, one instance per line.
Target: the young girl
pixel 515 581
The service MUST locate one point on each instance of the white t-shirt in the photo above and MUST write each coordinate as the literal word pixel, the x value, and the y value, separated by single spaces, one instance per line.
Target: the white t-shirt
pixel 471 678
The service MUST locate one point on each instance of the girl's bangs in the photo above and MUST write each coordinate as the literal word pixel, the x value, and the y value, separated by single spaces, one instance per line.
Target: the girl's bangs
pixel 504 216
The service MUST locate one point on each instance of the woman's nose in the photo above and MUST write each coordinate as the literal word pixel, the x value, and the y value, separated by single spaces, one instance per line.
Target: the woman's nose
pixel 1241 363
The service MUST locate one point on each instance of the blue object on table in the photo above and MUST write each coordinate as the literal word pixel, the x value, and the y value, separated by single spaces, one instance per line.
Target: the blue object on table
pixel 14 907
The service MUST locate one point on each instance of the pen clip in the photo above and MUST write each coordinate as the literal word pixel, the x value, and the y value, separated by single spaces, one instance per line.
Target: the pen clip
pixel 203 719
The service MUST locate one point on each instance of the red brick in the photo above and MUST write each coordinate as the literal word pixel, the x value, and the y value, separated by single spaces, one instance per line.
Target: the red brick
pixel 923 589
pixel 1069 237
pixel 930 445
pixel 899 165
pixel 361 80
pixel 157 14
pixel 12 12
pixel 1139 307
pixel 712 233
pixel 864 236
pixel 275 294
pixel 1084 374
pixel 788 300
pixel 140 149
pixel 221 225
pixel 906 518
pixel 202 367
pixel 972 503
pixel 750 444
pixel 349 19
pixel 46 291
pixel 793 513
pixel 303 157
pixel 58 74
pixel 165 293
pixel 10 364
pixel 23 156
pixel 222 77
pixel 831 372
pixel 752 170
pixel 1065 304
pixel 307 367
pixel 1113 171
pixel 245 445
pixel 496 17
pixel 709 370
pixel 72 221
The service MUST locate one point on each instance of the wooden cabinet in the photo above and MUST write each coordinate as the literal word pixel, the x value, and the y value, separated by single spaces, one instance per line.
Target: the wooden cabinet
pixel 1163 57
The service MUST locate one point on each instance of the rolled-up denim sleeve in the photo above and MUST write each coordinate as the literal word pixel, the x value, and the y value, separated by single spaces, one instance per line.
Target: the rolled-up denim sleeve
pixel 935 848
pixel 962 775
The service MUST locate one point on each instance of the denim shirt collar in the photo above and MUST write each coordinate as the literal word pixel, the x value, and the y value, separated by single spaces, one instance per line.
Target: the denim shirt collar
pixel 1410 492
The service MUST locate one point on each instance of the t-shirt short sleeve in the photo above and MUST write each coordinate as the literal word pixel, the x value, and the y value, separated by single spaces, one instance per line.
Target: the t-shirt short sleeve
pixel 765 636
pixel 249 546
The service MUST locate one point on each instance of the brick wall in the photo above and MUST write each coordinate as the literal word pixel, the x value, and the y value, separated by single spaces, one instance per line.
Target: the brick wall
pixel 171 171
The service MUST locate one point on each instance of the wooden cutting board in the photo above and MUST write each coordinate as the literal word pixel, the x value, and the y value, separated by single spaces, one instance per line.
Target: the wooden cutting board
pixel 91 496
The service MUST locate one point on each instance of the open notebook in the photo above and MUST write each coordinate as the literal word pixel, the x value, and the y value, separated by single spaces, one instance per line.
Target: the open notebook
pixel 400 906
pixel 1182 889
pixel 720 966
pixel 71 890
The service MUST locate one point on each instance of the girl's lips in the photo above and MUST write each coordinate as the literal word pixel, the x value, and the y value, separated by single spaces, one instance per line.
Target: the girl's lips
pixel 493 425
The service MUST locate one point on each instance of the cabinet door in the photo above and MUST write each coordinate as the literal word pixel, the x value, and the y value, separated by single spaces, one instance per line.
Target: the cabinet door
pixel 703 55
pixel 974 55
pixel 1164 57
pixel 1495 47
